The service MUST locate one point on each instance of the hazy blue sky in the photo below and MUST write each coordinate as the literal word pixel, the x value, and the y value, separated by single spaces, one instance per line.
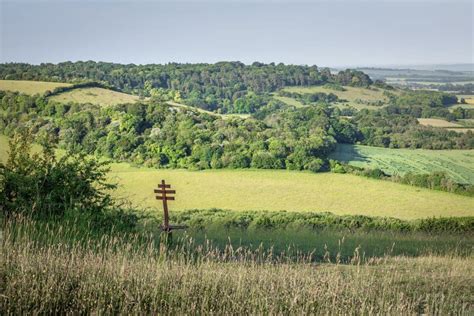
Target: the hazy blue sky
pixel 327 33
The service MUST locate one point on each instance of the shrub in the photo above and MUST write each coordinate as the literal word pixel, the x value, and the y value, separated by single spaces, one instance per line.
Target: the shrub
pixel 40 184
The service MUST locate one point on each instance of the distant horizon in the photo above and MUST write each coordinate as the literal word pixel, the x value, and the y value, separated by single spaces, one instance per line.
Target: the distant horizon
pixel 344 33
pixel 420 66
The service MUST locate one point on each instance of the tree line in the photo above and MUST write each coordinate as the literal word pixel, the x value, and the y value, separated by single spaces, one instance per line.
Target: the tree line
pixel 225 87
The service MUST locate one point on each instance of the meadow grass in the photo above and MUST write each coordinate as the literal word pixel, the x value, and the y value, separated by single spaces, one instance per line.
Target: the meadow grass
pixel 351 95
pixel 30 87
pixel 276 190
pixel 459 164
pixel 122 275
pixel 98 96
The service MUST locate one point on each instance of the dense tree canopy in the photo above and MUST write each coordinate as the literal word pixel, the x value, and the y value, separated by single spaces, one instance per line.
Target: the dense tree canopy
pixel 228 87
pixel 160 135
pixel 277 136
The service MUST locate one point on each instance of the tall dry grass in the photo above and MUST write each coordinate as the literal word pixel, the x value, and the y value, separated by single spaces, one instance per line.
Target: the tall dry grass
pixel 42 273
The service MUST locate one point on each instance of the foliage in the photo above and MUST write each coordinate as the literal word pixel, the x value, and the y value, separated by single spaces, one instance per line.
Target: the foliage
pixel 160 135
pixel 42 185
pixel 231 87
pixel 201 219
pixel 355 78
pixel 309 98
pixel 395 128
pixel 426 98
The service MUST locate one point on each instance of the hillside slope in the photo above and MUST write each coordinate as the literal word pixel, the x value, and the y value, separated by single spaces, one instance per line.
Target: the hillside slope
pixel 98 96
pixel 30 87
pixel 459 164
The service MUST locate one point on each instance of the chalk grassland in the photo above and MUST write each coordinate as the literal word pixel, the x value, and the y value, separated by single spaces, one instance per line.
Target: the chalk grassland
pixel 459 164
pixel 437 122
pixel 46 272
pixel 352 95
pixel 98 96
pixel 461 127
pixel 30 87
pixel 275 190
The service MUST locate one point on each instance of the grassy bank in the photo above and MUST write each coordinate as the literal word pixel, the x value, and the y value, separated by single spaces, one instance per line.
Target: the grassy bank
pixel 118 275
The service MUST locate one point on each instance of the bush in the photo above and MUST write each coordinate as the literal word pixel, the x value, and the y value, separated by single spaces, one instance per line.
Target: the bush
pixel 265 160
pixel 201 219
pixel 42 185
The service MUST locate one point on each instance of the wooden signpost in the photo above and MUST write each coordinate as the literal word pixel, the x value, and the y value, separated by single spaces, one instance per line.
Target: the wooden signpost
pixel 163 193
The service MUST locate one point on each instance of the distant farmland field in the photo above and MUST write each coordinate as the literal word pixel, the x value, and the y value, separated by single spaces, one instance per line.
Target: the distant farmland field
pixel 459 164
pixel 462 126
pixel 468 98
pixel 99 96
pixel 354 96
pixel 30 87
pixel 437 122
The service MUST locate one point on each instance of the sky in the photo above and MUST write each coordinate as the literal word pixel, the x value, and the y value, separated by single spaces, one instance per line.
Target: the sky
pixel 321 32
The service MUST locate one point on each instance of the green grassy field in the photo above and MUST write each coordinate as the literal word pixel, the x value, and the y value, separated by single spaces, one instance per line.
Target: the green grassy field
pixel 459 164
pixel 99 96
pixel 351 94
pixel 275 190
pixel 30 87
pixel 286 190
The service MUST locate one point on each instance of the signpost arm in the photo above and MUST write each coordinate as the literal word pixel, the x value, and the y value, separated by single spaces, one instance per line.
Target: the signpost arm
pixel 166 219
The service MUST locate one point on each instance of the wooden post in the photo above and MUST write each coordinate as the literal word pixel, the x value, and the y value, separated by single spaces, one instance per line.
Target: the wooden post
pixel 162 193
